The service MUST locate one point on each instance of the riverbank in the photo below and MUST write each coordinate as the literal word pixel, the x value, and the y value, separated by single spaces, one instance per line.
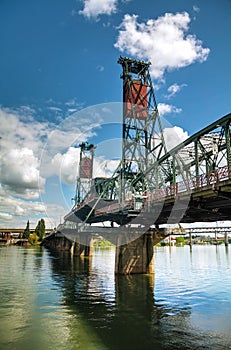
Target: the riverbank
pixel 15 241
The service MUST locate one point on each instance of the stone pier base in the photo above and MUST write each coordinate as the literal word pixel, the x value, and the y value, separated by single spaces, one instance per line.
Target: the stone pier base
pixel 85 249
pixel 134 246
pixel 135 256
pixel 58 242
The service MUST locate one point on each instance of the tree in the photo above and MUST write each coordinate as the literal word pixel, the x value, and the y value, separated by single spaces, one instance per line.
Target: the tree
pixel 33 239
pixel 40 229
pixel 180 241
pixel 37 228
pixel 26 232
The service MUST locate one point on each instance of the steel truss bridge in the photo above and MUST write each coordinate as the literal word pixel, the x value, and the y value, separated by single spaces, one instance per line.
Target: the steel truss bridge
pixel 153 185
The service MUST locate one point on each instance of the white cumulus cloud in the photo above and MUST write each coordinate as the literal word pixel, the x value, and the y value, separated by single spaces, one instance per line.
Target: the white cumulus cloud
pixel 21 144
pixel 20 171
pixel 15 211
pixel 94 8
pixel 5 216
pixel 163 41
pixel 165 108
pixel 173 136
pixel 32 153
pixel 66 165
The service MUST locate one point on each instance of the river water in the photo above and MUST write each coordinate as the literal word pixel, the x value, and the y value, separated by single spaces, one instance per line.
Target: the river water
pixel 55 301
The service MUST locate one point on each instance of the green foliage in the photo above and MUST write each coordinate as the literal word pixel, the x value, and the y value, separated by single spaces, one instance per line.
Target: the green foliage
pixel 26 232
pixel 180 241
pixel 33 239
pixel 40 229
pixel 102 243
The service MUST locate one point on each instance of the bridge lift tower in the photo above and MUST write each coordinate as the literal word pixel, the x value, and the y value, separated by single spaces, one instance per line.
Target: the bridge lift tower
pixel 84 178
pixel 120 198
pixel 143 141
pixel 138 173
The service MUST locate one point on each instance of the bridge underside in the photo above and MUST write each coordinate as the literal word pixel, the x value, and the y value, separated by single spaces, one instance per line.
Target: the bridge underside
pixel 134 246
pixel 210 204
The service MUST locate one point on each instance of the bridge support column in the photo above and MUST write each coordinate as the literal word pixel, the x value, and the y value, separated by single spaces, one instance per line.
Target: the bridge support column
pixel 84 248
pixel 77 249
pixel 89 246
pixel 190 239
pixel 226 239
pixel 58 243
pixel 135 256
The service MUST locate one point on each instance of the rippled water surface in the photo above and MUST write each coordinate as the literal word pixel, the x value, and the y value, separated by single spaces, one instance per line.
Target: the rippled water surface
pixel 55 301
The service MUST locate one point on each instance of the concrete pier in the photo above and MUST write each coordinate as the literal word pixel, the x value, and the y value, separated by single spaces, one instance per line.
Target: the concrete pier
pixel 77 249
pixel 57 242
pixel 226 239
pixel 190 239
pixel 134 246
pixel 85 249
pixel 135 256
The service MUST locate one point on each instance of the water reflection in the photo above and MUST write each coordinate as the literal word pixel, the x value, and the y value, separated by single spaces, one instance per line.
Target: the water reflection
pixel 56 301
pixel 121 309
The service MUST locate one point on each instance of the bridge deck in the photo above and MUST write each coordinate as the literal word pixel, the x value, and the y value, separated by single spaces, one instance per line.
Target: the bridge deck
pixel 207 202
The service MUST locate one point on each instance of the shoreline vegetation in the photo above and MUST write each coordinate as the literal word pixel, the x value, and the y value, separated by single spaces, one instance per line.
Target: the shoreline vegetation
pixel 35 238
pixel 26 238
pixel 179 241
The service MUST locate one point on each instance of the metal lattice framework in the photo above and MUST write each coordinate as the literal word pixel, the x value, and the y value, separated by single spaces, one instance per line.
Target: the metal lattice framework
pixel 197 170
pixel 143 141
pixel 84 178
pixel 205 158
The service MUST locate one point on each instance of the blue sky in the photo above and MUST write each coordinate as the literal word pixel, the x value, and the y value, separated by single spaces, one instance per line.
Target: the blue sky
pixel 60 57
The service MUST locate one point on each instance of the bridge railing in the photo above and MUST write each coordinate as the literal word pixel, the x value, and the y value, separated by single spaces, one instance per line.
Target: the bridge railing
pixel 193 183
pixel 186 186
